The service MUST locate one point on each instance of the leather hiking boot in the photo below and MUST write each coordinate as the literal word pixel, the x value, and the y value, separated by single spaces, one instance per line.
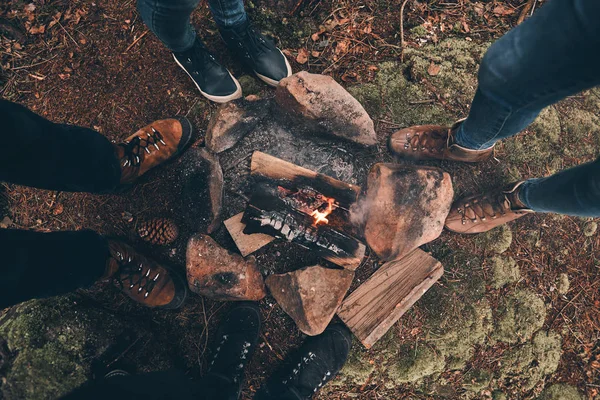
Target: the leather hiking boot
pixel 213 80
pixel 314 364
pixel 257 53
pixel 433 142
pixel 151 146
pixel 476 214
pixel 144 280
pixel 235 343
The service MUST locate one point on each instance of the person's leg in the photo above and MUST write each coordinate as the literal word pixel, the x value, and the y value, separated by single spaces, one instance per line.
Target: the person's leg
pixel 575 191
pixel 36 152
pixel 37 265
pixel 550 56
pixel 228 13
pixel 306 371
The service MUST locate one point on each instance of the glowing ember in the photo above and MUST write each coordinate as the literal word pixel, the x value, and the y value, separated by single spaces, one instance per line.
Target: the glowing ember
pixel 320 216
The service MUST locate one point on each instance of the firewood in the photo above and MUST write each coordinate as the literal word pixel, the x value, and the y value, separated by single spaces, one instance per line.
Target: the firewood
pixel 247 244
pixel 372 309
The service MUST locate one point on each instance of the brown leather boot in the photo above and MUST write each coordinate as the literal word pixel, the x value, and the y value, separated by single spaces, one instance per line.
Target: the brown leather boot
pixel 151 146
pixel 476 214
pixel 433 142
pixel 143 279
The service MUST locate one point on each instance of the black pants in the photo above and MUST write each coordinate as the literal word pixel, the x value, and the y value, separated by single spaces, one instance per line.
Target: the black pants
pixel 36 152
pixel 166 385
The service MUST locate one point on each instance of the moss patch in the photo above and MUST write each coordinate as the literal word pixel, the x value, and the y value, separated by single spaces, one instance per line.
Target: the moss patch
pixel 563 284
pixel 590 228
pixel 358 368
pixel 560 391
pixel 250 85
pixel 497 240
pixel 476 380
pixel 525 365
pixel 415 364
pixel 504 270
pixel 519 316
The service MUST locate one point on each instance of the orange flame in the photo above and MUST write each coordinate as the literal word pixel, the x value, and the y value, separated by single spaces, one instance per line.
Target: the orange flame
pixel 320 216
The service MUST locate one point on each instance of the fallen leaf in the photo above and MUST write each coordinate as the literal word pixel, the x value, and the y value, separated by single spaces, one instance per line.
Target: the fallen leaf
pixel 501 10
pixel 315 53
pixel 466 26
pixel 433 69
pixel 315 36
pixel 64 77
pixel 58 209
pixel 36 30
pixel 82 41
pixel 302 57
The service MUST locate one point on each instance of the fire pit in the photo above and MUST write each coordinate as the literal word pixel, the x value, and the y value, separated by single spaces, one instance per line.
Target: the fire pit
pixel 290 169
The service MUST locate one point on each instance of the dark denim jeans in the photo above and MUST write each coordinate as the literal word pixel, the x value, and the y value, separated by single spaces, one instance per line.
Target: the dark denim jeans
pixel 554 54
pixel 170 19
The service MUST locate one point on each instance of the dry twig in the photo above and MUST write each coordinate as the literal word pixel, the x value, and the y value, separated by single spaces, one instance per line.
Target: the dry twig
pixel 402 43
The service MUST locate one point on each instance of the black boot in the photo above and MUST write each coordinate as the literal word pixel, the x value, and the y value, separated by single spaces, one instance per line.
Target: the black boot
pixel 257 53
pixel 234 345
pixel 213 80
pixel 317 361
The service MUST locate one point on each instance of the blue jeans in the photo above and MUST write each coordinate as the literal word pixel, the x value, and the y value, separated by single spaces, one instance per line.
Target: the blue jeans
pixel 552 55
pixel 170 19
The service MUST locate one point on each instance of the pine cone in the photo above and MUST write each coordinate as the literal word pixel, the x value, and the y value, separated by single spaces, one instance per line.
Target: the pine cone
pixel 161 231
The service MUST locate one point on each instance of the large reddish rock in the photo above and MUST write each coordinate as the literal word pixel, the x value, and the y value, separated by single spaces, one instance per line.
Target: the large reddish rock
pixel 403 208
pixel 324 102
pixel 216 273
pixel 233 121
pixel 311 295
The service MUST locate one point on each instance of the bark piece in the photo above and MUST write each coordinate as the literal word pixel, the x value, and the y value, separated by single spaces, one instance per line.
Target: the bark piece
pixel 311 295
pixel 372 309
pixel 202 185
pixel 247 244
pixel 324 102
pixel 404 207
pixel 233 121
pixel 218 274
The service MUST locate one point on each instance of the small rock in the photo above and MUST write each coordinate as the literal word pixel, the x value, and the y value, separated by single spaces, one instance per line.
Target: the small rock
pixel 232 122
pixel 404 207
pixel 320 99
pixel 202 185
pixel 504 271
pixel 563 284
pixel 6 222
pixel 311 295
pixel 560 391
pixel 218 274
pixel 590 228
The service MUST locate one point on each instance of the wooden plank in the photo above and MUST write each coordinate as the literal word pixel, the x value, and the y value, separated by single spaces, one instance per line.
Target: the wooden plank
pixel 376 305
pixel 247 244
pixel 277 169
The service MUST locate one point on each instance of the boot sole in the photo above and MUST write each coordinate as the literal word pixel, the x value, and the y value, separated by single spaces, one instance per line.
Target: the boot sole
pixel 273 82
pixel 217 99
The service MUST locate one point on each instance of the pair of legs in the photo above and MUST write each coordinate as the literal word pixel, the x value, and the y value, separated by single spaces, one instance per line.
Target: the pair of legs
pixel 170 22
pixel 42 154
pixel 305 371
pixel 552 55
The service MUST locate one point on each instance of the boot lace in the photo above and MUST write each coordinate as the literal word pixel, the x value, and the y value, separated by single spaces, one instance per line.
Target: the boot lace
pixel 492 207
pixel 435 141
pixel 251 41
pixel 131 274
pixel 134 148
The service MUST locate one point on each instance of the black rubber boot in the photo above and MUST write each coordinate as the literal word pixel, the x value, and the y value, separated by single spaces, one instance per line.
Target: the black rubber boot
pixel 257 53
pixel 317 361
pixel 212 80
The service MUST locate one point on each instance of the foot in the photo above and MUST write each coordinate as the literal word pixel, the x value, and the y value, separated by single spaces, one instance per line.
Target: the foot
pixel 481 213
pixel 212 80
pixel 143 279
pixel 257 52
pixel 433 142
pixel 235 344
pixel 151 146
pixel 317 361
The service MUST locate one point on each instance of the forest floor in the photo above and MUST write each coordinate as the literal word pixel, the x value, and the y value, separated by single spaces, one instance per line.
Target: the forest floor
pixel 517 309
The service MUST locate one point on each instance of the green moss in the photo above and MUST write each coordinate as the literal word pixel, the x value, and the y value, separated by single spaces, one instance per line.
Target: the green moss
pixel 498 395
pixel 476 380
pixel 419 30
pixel 504 270
pixel 583 138
pixel 560 391
pixel 53 342
pixel 527 364
pixel 358 368
pixel 250 85
pixel 497 240
pixel 519 316
pixel 415 364
pixel 369 96
pixel 563 284
pixel 547 124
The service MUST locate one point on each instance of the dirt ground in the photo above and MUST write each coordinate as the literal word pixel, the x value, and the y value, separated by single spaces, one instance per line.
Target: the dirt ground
pixel 94 64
